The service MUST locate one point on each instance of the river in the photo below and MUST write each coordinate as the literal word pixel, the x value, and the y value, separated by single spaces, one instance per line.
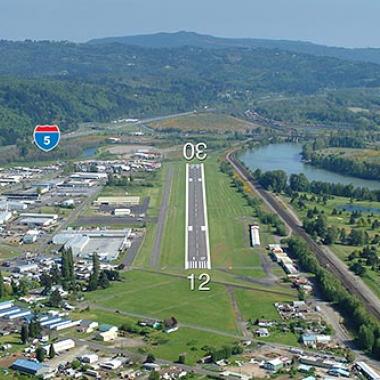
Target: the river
pixel 287 157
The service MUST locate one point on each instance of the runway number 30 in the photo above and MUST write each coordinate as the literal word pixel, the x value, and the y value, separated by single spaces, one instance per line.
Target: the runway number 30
pixel 204 279
pixel 191 151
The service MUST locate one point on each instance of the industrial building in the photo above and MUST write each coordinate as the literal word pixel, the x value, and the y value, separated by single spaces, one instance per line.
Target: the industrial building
pixel 107 244
pixel 61 346
pixel 5 216
pixel 255 235
pixel 37 220
pixel 118 200
pixel 30 367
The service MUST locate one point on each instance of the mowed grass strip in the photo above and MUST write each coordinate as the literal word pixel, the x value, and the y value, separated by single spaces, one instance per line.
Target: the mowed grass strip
pixel 160 296
pixel 189 342
pixel 229 219
pixel 173 244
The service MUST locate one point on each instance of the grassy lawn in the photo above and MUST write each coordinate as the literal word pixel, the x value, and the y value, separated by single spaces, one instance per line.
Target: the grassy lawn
pixel 355 154
pixel 14 340
pixel 8 251
pixel 159 296
pixel 204 122
pixel 173 244
pixel 187 341
pixel 229 219
pixel 254 304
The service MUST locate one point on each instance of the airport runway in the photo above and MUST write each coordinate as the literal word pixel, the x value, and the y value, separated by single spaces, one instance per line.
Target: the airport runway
pixel 197 244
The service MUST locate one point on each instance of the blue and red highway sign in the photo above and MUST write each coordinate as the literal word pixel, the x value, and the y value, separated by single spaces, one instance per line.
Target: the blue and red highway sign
pixel 46 137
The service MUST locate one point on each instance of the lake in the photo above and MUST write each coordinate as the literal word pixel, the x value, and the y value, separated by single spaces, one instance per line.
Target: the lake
pixel 287 157
pixel 89 152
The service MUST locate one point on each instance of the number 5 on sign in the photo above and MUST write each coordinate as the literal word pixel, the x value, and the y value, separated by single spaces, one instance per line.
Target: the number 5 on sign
pixel 46 137
pixel 191 151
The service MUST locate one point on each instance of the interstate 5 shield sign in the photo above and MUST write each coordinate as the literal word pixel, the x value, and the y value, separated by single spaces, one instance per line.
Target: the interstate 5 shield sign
pixel 46 137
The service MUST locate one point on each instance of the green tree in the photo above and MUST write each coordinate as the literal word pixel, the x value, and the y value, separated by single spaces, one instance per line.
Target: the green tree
pixel 55 298
pixel 94 277
pixel 51 351
pixel 40 354
pixel 103 280
pixel 24 334
pixel 150 358
pixel 366 337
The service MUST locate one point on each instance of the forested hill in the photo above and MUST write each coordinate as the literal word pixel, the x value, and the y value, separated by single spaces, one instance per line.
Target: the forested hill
pixel 181 39
pixel 43 82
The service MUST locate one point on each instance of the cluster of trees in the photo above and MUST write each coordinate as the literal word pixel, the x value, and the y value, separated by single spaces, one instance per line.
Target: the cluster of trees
pixel 264 217
pixel 337 163
pixel 30 331
pixel 317 226
pixel 277 181
pixel 225 352
pixel 100 278
pixel 356 316
pixel 360 259
pixel 340 139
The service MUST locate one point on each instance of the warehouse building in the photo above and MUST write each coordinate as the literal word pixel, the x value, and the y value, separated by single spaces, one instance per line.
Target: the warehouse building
pixel 107 244
pixel 118 200
pixel 255 235
pixel 61 346
pixel 31 367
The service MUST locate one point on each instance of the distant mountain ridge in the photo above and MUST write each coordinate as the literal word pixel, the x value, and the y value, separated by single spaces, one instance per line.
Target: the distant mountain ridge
pixel 181 39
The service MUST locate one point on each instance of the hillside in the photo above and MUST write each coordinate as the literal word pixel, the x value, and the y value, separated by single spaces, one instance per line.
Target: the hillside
pixel 181 39
pixel 67 83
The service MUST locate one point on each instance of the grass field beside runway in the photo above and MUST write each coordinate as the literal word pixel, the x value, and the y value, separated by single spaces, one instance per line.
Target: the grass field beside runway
pixel 229 219
pixel 173 244
pixel 159 296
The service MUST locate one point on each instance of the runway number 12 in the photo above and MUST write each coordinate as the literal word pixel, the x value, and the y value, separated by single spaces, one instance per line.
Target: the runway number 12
pixel 191 151
pixel 204 279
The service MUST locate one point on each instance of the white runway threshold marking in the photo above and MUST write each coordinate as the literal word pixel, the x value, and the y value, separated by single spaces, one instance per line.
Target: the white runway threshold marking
pixel 195 233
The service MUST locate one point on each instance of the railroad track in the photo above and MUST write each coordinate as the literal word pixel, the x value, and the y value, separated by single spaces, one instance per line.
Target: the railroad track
pixel 338 269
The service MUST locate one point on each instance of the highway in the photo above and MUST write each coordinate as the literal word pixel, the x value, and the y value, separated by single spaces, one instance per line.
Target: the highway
pixel 326 258
pixel 197 246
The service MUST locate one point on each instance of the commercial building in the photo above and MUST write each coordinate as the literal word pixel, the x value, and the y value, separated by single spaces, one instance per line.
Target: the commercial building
pixel 107 336
pixel 107 244
pixel 255 235
pixel 60 346
pixel 118 200
pixel 274 365
pixel 5 216
pixel 30 367
pixel 367 371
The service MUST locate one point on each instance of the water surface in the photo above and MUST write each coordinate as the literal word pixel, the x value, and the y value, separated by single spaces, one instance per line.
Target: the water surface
pixel 287 157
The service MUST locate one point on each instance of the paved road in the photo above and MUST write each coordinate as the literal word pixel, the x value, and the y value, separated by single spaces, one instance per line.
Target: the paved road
pixel 155 256
pixel 325 256
pixel 197 240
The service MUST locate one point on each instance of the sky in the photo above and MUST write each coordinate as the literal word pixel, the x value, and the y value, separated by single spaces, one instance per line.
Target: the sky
pixel 348 23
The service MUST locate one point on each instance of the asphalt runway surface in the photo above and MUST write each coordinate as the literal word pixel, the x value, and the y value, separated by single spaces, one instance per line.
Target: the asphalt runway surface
pixel 197 239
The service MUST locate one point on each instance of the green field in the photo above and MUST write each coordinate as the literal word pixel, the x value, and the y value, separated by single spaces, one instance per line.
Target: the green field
pixel 160 296
pixel 368 155
pixel 342 220
pixel 204 122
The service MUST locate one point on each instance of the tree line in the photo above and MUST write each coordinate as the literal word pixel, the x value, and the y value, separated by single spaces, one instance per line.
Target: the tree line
pixel 366 328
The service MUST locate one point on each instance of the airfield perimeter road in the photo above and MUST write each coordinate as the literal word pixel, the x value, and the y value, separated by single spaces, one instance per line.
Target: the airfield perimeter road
pixel 326 258
pixel 155 256
pixel 197 245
